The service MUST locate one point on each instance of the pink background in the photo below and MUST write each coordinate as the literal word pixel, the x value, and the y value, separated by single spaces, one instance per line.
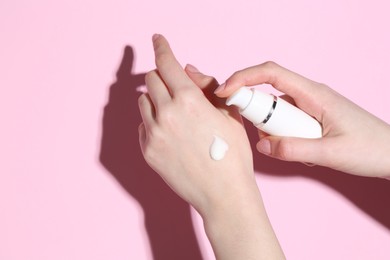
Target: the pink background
pixel 73 184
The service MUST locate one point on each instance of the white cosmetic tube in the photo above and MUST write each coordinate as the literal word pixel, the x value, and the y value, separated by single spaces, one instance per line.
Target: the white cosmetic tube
pixel 274 115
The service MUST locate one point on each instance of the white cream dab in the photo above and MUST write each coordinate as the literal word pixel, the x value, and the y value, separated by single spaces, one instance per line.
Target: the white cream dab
pixel 218 148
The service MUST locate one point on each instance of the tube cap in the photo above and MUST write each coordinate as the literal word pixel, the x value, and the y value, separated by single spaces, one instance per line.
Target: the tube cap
pixel 241 98
pixel 254 105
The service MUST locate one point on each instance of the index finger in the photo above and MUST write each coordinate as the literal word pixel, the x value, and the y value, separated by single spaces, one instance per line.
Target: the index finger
pixel 280 78
pixel 169 68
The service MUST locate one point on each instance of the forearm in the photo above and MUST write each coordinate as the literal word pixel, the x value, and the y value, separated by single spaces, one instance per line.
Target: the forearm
pixel 238 228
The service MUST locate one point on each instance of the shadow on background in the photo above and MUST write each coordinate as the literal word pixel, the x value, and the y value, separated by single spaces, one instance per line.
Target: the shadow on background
pixel 371 195
pixel 167 217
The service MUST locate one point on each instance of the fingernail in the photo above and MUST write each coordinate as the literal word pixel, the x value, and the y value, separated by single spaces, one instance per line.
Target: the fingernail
pixel 142 89
pixel 309 164
pixel 192 68
pixel 220 88
pixel 155 37
pixel 264 146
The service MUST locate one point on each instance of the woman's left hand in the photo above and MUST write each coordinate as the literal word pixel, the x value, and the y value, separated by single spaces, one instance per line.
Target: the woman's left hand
pixel 181 116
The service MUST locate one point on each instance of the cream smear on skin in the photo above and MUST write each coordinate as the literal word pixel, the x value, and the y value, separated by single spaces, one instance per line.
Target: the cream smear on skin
pixel 218 148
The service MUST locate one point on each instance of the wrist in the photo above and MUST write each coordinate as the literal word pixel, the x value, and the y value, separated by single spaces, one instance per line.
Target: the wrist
pixel 239 194
pixel 238 227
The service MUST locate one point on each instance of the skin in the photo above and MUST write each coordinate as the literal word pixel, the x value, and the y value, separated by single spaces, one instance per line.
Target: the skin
pixel 354 141
pixel 180 116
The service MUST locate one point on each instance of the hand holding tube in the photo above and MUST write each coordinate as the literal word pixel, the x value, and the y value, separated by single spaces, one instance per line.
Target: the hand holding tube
pixel 354 141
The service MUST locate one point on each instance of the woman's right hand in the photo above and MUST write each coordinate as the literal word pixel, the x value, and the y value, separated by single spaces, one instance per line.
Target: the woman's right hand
pixel 354 141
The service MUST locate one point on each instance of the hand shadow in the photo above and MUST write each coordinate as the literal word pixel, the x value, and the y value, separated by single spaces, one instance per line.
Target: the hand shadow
pixel 369 194
pixel 167 217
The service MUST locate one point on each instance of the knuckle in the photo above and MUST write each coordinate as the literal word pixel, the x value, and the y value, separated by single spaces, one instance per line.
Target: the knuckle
pixel 272 69
pixel 141 128
pixel 323 88
pixel 154 145
pixel 149 154
pixel 238 77
pixel 284 150
pixel 142 100
pixel 322 85
pixel 162 58
pixel 187 93
pixel 189 99
pixel 235 75
pixel 270 64
pixel 149 76
pixel 167 115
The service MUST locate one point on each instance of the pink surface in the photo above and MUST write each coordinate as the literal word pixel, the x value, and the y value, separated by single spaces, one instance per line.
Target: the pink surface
pixel 73 184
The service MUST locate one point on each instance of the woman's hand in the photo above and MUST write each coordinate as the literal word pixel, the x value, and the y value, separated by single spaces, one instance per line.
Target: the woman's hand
pixel 179 125
pixel 354 140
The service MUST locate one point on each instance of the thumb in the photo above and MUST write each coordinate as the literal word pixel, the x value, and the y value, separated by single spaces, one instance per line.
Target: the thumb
pixel 293 149
pixel 208 84
pixel 202 81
